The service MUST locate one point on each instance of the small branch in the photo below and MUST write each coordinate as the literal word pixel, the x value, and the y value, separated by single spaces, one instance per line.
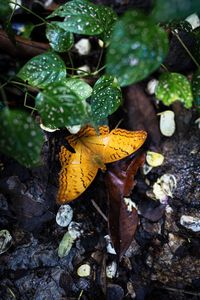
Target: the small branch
pixel 99 210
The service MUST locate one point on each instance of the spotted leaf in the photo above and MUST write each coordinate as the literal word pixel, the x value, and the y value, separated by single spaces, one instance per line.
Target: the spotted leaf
pixel 60 40
pixel 43 69
pixel 137 48
pixel 196 88
pixel 172 87
pixel 83 17
pixel 174 9
pixel 80 87
pixel 20 137
pixel 59 106
pixel 106 97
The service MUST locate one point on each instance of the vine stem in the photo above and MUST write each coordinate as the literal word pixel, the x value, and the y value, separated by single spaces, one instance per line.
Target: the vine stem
pixel 186 49
pixel 30 11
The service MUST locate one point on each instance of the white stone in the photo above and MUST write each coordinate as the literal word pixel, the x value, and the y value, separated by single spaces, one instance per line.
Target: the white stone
pixel 189 222
pixel 83 46
pixel 193 20
pixel 64 215
pixel 151 86
pixel 111 269
pixel 167 123
pixel 74 129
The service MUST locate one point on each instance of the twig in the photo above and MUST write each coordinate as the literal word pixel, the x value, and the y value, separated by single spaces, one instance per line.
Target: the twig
pixel 99 210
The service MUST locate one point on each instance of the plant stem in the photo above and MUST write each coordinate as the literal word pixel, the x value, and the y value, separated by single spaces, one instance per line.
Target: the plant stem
pixel 186 49
pixel 30 11
pixel 164 67
pixel 99 60
pixel 71 62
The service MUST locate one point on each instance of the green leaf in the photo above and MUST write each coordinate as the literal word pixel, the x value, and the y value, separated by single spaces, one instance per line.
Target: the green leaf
pixel 83 17
pixel 80 87
pixel 137 48
pixel 59 39
pixel 59 106
pixel 5 10
pixel 43 69
pixel 80 17
pixel 196 87
pixel 20 137
pixel 174 9
pixel 106 98
pixel 172 87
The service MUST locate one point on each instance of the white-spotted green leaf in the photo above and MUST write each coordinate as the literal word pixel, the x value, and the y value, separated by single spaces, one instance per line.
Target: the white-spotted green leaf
pixel 43 69
pixel 20 137
pixel 80 17
pixel 83 17
pixel 174 9
pixel 172 87
pixel 59 106
pixel 196 87
pixel 5 10
pixel 106 97
pixel 80 87
pixel 137 48
pixel 60 40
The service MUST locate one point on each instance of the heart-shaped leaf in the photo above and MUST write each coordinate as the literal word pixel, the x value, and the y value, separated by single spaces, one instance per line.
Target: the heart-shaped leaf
pixel 172 87
pixel 43 69
pixel 174 9
pixel 59 39
pixel 59 106
pixel 106 97
pixel 196 87
pixel 20 137
pixel 137 48
pixel 80 87
pixel 83 17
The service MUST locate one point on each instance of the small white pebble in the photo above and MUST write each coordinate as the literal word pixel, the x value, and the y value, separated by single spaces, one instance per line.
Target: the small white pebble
pixel 83 69
pixel 167 123
pixel 74 129
pixel 193 20
pixel 64 215
pixel 151 86
pixel 83 46
pixel 111 269
pixel 189 222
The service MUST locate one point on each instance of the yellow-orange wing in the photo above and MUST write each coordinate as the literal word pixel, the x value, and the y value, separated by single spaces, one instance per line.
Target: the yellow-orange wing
pixel 114 145
pixel 78 169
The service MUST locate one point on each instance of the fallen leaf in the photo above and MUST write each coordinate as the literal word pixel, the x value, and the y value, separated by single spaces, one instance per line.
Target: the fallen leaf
pixel 122 220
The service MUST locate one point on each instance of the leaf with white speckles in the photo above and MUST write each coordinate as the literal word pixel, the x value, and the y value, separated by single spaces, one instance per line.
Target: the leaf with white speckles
pixel 80 17
pixel 196 88
pixel 60 40
pixel 83 17
pixel 172 87
pixel 174 9
pixel 5 10
pixel 43 69
pixel 59 106
pixel 106 97
pixel 80 87
pixel 137 48
pixel 20 137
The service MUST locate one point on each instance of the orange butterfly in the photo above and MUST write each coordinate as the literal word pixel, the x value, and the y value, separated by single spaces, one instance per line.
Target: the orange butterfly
pixel 92 151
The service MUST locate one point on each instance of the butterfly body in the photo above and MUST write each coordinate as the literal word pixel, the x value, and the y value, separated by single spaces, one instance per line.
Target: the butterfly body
pixel 92 151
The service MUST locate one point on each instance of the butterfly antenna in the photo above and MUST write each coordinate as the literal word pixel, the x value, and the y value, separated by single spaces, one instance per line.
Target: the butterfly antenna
pixel 120 121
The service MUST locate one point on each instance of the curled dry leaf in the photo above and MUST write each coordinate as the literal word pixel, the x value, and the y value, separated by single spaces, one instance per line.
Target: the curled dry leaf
pixel 123 220
pixel 154 159
pixel 5 240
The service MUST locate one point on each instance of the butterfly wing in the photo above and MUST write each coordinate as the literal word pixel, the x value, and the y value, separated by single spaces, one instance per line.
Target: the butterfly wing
pixel 77 173
pixel 117 144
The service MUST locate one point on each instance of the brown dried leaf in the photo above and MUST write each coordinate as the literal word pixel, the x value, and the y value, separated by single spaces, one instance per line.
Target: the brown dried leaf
pixel 120 182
